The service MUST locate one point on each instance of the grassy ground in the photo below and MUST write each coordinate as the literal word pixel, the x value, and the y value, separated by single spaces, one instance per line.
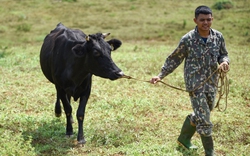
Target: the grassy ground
pixel 123 117
pixel 28 21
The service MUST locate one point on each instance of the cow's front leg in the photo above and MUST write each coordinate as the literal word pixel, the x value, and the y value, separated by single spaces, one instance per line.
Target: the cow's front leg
pixel 80 118
pixel 67 109
pixel 69 128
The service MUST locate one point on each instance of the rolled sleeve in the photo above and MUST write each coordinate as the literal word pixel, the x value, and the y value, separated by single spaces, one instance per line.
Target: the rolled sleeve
pixel 223 52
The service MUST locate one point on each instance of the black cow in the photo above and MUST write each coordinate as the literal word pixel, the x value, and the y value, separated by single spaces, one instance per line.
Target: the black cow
pixel 68 59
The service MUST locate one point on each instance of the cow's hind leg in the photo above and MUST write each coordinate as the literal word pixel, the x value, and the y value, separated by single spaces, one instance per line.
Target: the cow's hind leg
pixel 58 109
pixel 71 118
pixel 67 109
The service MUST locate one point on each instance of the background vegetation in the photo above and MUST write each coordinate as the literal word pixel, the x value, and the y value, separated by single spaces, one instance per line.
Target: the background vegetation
pixel 123 117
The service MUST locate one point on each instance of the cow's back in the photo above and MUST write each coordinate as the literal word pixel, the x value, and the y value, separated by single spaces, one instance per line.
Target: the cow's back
pixel 61 39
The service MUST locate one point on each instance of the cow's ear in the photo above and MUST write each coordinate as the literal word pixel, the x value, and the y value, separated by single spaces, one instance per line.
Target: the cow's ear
pixel 77 50
pixel 114 43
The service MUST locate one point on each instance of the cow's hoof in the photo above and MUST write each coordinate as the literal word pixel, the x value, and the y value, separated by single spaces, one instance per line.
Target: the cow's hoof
pixel 83 141
pixel 58 114
pixel 69 136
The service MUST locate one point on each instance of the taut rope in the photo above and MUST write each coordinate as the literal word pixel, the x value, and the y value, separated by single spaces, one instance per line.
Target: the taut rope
pixel 222 89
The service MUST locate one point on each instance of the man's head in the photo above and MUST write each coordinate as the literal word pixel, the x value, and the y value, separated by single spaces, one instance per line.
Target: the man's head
pixel 202 10
pixel 203 18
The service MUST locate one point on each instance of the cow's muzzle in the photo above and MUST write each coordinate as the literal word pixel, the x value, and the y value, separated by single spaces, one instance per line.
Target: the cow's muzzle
pixel 116 75
pixel 119 74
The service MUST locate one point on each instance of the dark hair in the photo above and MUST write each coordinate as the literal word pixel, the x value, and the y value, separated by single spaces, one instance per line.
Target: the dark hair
pixel 202 10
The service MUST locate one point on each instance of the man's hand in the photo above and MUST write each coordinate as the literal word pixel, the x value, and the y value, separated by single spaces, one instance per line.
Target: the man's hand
pixel 155 79
pixel 224 66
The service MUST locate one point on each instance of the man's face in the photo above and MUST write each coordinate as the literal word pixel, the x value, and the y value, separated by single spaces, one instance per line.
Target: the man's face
pixel 204 22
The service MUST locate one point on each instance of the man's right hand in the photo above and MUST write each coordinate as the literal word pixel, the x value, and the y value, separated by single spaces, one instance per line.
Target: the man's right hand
pixel 155 79
pixel 224 66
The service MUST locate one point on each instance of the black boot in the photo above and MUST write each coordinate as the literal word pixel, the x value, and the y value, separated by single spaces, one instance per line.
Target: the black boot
pixel 208 145
pixel 187 131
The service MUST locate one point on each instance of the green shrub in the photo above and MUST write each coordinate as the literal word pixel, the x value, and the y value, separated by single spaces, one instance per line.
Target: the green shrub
pixel 223 5
pixel 24 27
pixel 184 24
pixel 3 52
pixel 69 0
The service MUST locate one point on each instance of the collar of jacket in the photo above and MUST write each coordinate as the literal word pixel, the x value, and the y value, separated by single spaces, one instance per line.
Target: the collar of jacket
pixel 210 38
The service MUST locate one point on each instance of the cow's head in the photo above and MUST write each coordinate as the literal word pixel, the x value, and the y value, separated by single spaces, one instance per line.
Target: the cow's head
pixel 96 55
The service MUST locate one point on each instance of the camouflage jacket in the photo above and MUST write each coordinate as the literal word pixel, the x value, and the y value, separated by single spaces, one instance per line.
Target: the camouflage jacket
pixel 201 59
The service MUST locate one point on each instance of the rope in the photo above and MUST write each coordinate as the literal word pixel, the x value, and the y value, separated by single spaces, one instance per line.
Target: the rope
pixel 223 89
pixel 129 77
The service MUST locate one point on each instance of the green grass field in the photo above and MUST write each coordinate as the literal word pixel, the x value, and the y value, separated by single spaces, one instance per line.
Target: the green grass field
pixel 123 117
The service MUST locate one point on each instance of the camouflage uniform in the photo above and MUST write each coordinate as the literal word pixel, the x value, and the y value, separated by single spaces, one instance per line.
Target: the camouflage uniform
pixel 201 60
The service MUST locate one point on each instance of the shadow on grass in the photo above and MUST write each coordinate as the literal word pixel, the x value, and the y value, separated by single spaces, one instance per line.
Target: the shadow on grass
pixel 49 138
pixel 186 152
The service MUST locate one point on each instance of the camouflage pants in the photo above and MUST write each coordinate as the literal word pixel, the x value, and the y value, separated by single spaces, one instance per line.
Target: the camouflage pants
pixel 202 104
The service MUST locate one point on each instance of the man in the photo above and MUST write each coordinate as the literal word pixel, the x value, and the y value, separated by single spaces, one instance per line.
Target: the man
pixel 202 49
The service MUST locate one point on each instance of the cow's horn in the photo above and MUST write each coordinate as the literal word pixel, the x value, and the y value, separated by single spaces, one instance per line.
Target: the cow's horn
pixel 87 38
pixel 105 34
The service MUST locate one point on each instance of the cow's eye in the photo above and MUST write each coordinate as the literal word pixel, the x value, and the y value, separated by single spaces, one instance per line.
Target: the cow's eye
pixel 96 53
